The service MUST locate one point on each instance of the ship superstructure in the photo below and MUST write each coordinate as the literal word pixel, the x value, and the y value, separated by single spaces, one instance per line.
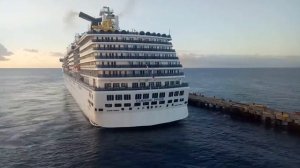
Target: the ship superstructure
pixel 124 78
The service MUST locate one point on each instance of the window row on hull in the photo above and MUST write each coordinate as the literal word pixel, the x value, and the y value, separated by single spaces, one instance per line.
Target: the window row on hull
pixel 135 57
pixel 142 84
pixel 133 49
pixel 139 96
pixel 145 105
pixel 140 87
pixel 132 73
pixel 134 66
pixel 138 75
pixel 131 41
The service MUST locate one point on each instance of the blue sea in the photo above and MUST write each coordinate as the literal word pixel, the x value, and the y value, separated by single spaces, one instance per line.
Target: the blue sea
pixel 42 126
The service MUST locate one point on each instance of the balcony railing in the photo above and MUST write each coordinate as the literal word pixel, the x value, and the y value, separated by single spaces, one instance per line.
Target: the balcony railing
pixel 131 41
pixel 138 75
pixel 130 33
pixel 135 57
pixel 133 49
pixel 140 88
pixel 78 78
pixel 137 66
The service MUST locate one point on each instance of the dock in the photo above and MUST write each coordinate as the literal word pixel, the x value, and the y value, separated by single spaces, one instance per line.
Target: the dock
pixel 249 111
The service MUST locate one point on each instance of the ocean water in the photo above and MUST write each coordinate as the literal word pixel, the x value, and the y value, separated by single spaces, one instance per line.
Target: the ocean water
pixel 42 126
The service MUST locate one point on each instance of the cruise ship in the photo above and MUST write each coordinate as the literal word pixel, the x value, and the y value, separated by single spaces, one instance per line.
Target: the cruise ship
pixel 124 78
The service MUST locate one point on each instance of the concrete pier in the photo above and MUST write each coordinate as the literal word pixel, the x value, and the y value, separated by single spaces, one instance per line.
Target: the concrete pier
pixel 252 112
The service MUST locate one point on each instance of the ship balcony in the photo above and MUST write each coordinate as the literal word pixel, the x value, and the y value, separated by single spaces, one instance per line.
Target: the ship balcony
pixel 133 49
pixel 147 75
pixel 136 57
pixel 117 32
pixel 132 41
pixel 141 88
pixel 138 66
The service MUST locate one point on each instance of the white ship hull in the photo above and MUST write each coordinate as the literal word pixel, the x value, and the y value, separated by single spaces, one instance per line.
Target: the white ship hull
pixel 91 101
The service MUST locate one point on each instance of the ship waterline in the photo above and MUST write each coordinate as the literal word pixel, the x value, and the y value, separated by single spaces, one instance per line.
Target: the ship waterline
pixel 124 79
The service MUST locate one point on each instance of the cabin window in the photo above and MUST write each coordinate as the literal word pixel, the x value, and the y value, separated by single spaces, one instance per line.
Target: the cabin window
pixel 154 103
pixel 158 84
pixel 138 96
pixel 181 92
pixel 161 102
pixel 175 100
pixel 142 84
pixel 154 95
pixel 181 99
pixel 110 97
pixel 151 84
pixel 176 93
pixel 135 85
pixel 118 105
pixel 127 97
pixel 108 105
pixel 127 105
pixel 116 85
pixel 124 85
pixel 118 97
pixel 169 101
pixel 107 85
pixel 146 103
pixel 170 94
pixel 137 104
pixel 162 94
pixel 146 96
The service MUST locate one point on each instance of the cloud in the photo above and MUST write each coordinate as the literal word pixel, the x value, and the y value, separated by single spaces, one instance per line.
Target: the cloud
pixel 195 60
pixel 31 50
pixel 57 54
pixel 3 59
pixel 4 53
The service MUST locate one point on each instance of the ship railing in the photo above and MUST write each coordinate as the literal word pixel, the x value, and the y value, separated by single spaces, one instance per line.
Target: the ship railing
pixel 131 41
pixel 141 88
pixel 139 75
pixel 135 57
pixel 130 33
pixel 137 66
pixel 133 49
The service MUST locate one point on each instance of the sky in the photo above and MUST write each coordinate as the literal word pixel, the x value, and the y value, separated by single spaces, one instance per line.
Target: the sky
pixel 205 33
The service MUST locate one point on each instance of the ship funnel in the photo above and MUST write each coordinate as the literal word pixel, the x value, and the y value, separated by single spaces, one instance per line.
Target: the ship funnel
pixel 106 22
pixel 94 21
pixel 87 17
